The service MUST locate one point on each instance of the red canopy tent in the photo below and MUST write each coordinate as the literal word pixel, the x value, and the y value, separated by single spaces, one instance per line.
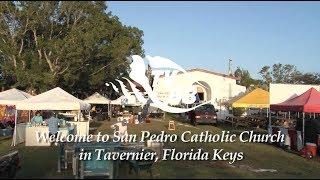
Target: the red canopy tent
pixel 308 102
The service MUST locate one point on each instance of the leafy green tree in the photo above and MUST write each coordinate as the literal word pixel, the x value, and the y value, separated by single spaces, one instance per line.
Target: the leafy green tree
pixel 287 73
pixel 244 77
pixel 279 73
pixel 309 78
pixel 246 80
pixel 75 45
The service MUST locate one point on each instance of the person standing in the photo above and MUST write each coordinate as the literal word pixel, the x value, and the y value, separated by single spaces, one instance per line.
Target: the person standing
pixel 53 124
pixel 37 119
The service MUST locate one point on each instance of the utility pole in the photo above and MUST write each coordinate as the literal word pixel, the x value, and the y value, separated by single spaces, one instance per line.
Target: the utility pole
pixel 229 67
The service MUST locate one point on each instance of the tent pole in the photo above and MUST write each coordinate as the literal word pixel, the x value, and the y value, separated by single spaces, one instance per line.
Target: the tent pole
pixel 303 123
pixel 298 115
pixel 110 110
pixel 15 129
pixel 269 118
pixel 314 115
pixel 267 112
pixel 29 116
pixel 289 114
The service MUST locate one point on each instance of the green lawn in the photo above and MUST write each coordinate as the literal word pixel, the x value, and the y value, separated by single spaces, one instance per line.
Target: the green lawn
pixel 41 162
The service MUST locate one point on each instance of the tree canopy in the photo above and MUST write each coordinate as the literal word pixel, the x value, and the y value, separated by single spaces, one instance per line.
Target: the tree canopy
pixel 280 73
pixel 246 79
pixel 287 73
pixel 78 46
pixel 277 73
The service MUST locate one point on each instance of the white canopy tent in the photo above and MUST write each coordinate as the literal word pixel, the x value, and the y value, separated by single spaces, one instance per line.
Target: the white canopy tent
pixel 97 98
pixel 12 96
pixel 54 99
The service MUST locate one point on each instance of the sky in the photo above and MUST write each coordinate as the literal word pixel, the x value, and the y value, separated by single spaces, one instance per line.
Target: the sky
pixel 207 34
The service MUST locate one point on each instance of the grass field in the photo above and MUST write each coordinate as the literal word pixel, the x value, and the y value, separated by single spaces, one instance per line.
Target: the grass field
pixel 41 162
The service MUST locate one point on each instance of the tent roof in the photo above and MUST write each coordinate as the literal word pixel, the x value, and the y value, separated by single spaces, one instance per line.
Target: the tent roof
pixel 12 96
pixel 234 99
pixel 309 101
pixel 257 98
pixel 97 98
pixel 117 101
pixel 54 99
pixel 122 100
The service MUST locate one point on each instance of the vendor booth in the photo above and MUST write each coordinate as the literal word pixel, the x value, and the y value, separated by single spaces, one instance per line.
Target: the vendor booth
pixel 253 102
pixel 98 99
pixel 8 100
pixel 122 102
pixel 53 100
pixel 306 103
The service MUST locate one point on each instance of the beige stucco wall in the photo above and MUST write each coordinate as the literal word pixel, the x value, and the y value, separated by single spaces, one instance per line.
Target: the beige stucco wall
pixel 221 87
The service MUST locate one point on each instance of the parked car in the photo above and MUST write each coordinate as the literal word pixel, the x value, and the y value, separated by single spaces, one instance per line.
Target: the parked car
pixel 205 114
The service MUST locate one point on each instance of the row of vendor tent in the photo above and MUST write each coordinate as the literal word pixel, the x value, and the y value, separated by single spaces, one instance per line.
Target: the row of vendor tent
pixel 57 99
pixel 54 99
pixel 258 98
pixel 308 101
pixel 97 98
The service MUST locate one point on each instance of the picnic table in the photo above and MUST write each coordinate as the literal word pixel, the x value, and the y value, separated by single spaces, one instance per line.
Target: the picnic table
pixel 90 168
pixel 87 168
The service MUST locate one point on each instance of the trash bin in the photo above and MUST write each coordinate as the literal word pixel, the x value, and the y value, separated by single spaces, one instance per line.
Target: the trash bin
pixel 312 148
